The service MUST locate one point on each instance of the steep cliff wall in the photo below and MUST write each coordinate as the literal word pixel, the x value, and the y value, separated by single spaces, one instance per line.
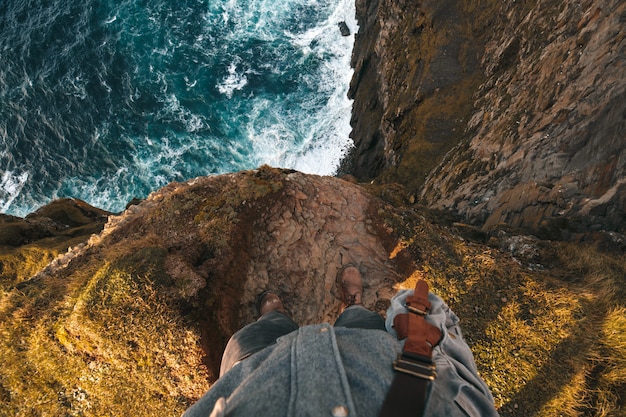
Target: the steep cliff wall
pixel 417 66
pixel 526 100
pixel 548 135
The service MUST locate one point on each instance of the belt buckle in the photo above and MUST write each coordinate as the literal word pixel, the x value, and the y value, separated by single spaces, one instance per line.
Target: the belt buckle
pixel 416 310
pixel 415 367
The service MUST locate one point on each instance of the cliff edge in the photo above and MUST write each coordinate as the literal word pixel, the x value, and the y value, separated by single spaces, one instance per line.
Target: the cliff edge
pixel 133 320
pixel 489 145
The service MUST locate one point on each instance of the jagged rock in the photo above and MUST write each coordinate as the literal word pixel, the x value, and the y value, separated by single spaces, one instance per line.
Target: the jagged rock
pixel 507 112
pixel 547 145
pixel 344 29
pixel 63 217
pixel 416 67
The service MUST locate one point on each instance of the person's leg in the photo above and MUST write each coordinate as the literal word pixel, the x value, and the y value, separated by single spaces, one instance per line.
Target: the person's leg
pixel 354 315
pixel 358 317
pixel 273 323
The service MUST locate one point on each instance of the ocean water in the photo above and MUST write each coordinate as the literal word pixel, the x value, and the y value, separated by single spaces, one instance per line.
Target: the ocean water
pixel 109 100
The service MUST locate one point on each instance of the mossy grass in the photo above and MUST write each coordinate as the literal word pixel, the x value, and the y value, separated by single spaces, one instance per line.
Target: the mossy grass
pixel 548 342
pixel 111 346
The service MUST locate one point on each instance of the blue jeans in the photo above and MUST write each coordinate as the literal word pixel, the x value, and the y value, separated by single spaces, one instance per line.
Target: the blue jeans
pixel 270 326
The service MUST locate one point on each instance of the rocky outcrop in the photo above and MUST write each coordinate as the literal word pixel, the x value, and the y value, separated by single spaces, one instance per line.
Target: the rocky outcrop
pixel 536 139
pixel 136 316
pixel 134 319
pixel 61 218
pixel 191 255
pixel 548 137
pixel 257 230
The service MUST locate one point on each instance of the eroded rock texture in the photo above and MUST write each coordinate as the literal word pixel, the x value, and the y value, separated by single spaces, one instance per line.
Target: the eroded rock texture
pixel 214 243
pixel 548 140
pixel 417 65
pixel 61 219
pixel 515 112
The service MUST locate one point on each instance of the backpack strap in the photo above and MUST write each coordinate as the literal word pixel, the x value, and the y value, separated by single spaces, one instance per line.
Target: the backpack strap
pixel 414 368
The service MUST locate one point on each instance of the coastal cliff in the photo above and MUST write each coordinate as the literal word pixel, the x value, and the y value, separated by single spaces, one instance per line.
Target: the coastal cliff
pixel 499 112
pixel 488 160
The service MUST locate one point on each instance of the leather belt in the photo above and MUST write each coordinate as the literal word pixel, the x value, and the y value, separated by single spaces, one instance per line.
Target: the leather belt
pixel 414 368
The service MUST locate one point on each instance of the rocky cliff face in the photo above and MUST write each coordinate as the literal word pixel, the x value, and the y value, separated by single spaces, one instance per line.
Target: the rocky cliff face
pixel 501 112
pixel 416 66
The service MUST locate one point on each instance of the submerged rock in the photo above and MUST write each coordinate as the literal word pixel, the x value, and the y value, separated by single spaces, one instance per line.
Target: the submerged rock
pixel 344 29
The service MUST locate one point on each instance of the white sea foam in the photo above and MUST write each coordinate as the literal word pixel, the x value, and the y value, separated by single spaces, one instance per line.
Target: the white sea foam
pixel 150 172
pixel 169 99
pixel 310 138
pixel 234 81
pixel 269 134
pixel 10 187
pixel 103 193
pixel 173 109
pixel 327 139
pixel 258 17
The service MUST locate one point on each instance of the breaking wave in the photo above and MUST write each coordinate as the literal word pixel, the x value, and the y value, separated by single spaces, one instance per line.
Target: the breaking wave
pixel 106 101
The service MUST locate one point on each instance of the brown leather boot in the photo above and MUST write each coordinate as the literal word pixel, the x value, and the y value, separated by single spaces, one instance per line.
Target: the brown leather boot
pixel 268 301
pixel 350 283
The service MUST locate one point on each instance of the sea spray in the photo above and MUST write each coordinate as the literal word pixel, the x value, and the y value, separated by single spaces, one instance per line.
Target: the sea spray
pixel 106 101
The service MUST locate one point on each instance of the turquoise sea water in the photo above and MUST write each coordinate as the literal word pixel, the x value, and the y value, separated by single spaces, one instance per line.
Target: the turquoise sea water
pixel 110 100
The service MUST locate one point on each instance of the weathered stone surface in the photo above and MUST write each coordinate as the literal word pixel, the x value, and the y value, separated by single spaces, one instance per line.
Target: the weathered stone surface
pixel 548 142
pixel 416 67
pixel 65 217
pixel 501 112
pixel 225 239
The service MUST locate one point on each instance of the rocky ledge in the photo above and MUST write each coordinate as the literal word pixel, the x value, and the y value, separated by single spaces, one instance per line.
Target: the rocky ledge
pixel 134 319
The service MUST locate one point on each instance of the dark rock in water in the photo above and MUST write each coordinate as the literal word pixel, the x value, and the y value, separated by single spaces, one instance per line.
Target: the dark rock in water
pixel 345 30
pixel 67 217
pixel 133 202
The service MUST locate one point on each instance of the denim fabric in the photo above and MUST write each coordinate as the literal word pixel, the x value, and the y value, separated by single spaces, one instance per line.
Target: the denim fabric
pixel 255 337
pixel 319 369
pixel 270 326
pixel 358 317
pixel 308 372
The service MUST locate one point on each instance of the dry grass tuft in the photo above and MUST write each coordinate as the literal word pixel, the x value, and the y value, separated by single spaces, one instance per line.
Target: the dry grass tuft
pixel 113 346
